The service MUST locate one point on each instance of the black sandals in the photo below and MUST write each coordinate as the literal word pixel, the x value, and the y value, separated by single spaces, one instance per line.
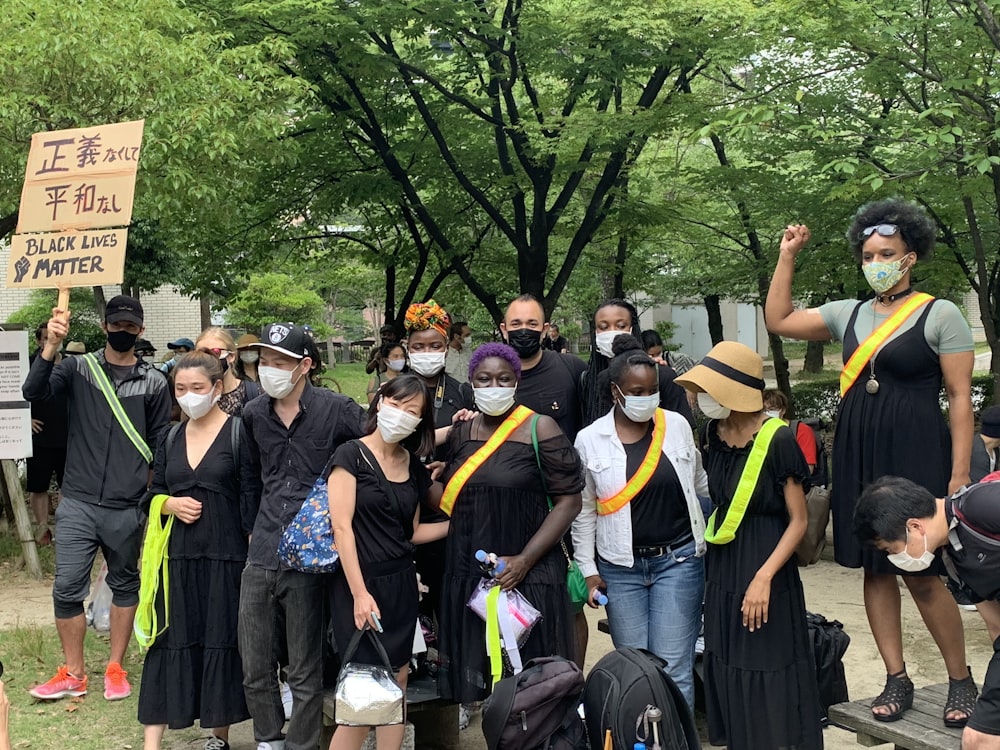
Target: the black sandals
pixel 898 697
pixel 962 695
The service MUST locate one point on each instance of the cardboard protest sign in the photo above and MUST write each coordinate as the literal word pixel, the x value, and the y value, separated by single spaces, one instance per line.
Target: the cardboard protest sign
pixel 76 181
pixel 15 412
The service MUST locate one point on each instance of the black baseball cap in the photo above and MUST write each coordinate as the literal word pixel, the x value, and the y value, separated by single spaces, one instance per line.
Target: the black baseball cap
pixel 285 338
pixel 123 309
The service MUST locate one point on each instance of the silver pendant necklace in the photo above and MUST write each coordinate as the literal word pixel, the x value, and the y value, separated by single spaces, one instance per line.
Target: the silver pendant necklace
pixel 871 387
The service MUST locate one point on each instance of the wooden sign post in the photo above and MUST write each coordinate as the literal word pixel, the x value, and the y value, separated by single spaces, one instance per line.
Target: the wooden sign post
pixel 76 205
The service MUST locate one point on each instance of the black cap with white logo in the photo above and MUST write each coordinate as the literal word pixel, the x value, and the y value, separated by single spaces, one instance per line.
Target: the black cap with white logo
pixel 285 338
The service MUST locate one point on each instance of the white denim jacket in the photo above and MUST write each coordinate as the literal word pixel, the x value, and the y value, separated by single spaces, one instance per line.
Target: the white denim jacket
pixel 604 466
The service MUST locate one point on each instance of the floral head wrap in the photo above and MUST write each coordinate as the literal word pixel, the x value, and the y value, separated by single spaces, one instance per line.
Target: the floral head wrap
pixel 421 316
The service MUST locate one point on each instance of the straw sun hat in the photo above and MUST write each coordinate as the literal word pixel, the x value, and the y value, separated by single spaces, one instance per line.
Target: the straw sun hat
pixel 732 374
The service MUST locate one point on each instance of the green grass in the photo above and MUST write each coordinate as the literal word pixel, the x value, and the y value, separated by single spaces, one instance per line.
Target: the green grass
pixel 351 380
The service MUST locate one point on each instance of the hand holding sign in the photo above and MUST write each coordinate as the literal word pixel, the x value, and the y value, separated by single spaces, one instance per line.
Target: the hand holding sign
pixel 58 328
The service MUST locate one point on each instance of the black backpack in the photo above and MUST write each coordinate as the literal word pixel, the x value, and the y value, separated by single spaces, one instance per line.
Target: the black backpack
pixel 829 643
pixel 536 708
pixel 620 689
pixel 820 476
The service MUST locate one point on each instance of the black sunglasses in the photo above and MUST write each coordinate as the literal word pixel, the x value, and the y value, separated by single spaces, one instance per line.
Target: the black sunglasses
pixel 884 230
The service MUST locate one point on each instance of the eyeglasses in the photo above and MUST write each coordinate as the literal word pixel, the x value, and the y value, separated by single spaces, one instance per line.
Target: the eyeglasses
pixel 884 230
pixel 220 353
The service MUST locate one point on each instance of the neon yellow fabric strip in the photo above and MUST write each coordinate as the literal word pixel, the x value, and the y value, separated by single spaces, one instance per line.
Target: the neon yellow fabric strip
pixel 117 409
pixel 863 354
pixel 493 647
pixel 154 575
pixel 744 488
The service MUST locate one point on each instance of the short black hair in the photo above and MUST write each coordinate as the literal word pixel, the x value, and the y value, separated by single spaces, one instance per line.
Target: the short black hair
pixel 886 505
pixel 775 399
pixel 456 328
pixel 651 338
pixel 38 331
pixel 401 387
pixel 628 354
pixel 915 226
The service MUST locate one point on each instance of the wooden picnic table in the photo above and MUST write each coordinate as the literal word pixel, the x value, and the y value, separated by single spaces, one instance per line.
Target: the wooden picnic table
pixel 921 728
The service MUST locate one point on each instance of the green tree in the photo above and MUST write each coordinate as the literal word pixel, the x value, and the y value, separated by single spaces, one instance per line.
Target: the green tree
pixel 275 297
pixel 84 323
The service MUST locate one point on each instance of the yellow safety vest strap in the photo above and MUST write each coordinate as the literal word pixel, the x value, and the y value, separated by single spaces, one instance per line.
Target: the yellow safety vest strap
pixel 154 575
pixel 477 459
pixel 614 503
pixel 744 489
pixel 101 378
pixel 866 350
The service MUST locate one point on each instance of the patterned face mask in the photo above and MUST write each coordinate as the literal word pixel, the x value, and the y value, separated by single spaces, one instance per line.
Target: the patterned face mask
pixel 884 276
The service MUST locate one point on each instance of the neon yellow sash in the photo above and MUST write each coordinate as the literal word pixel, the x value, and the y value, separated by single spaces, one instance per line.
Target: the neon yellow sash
pixel 154 566
pixel 863 354
pixel 101 378
pixel 641 478
pixel 493 647
pixel 744 488
pixel 487 449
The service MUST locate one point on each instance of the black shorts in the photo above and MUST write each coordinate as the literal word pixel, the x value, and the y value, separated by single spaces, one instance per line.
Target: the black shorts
pixel 986 717
pixel 41 467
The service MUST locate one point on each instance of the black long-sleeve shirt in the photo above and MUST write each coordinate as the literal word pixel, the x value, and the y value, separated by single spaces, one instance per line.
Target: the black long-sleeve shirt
pixel 292 458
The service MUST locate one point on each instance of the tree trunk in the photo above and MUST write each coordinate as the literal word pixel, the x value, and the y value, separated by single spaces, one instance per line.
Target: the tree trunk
pixel 714 318
pixel 205 308
pixel 781 368
pixel 814 357
pixel 99 301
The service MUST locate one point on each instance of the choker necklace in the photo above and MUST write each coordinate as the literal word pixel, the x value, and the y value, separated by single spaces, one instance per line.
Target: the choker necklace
pixel 888 299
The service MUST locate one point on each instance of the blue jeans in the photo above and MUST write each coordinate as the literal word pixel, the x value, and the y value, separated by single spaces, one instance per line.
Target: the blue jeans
pixel 300 596
pixel 656 605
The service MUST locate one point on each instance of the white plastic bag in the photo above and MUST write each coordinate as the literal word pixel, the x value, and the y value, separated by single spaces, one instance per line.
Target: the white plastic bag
pixel 99 609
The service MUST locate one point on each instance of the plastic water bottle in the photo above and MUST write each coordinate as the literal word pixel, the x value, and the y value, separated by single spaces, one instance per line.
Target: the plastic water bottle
pixel 489 563
pixel 599 597
pixel 639 746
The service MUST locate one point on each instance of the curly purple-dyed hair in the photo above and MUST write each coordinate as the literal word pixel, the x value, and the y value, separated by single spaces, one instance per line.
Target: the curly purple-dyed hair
pixel 495 350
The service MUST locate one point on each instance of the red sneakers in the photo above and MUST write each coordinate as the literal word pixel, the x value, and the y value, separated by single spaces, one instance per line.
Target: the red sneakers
pixel 63 685
pixel 116 686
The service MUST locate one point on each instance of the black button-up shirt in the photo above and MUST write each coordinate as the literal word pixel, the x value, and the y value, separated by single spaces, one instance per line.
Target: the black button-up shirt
pixel 292 458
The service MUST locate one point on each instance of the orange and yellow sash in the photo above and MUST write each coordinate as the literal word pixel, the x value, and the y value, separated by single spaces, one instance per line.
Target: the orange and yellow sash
pixel 863 354
pixel 487 449
pixel 608 505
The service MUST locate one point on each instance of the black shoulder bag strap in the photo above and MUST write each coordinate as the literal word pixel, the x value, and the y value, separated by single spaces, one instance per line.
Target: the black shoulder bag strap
pixel 390 492
pixel 501 704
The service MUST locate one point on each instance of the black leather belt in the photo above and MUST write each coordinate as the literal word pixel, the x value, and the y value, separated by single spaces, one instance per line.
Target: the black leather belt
pixel 651 551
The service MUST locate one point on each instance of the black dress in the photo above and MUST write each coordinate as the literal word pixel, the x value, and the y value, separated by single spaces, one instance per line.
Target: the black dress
pixel 382 526
pixel 898 431
pixel 193 671
pixel 760 687
pixel 500 509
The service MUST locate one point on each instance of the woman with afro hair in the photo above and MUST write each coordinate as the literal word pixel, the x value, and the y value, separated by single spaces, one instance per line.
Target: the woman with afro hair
pixel 899 347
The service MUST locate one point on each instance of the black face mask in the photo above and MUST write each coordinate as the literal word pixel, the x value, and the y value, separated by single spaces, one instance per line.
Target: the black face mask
pixel 525 342
pixel 122 341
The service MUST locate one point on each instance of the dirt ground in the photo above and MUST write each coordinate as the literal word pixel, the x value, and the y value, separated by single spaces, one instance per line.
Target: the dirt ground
pixel 830 590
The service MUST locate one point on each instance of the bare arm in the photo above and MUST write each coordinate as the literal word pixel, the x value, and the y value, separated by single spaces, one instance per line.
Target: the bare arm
pixel 758 593
pixel 780 314
pixel 342 490
pixel 428 532
pixel 957 372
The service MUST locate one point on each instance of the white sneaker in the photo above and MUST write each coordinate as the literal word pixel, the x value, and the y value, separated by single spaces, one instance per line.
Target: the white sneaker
pixel 272 745
pixel 286 699
pixel 463 718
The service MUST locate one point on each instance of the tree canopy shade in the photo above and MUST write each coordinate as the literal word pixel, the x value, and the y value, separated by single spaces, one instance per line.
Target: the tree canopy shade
pixel 493 124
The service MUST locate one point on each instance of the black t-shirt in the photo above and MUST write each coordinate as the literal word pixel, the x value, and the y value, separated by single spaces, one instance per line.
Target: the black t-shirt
pixel 52 413
pixel 555 345
pixel 552 387
pixel 383 521
pixel 659 511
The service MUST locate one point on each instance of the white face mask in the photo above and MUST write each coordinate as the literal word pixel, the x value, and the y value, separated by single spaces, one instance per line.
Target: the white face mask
pixel 467 341
pixel 197 405
pixel 494 401
pixel 604 340
pixel 427 364
pixel 249 357
pixel 773 414
pixel 277 383
pixel 904 561
pixel 639 408
pixel 394 424
pixel 712 408
pixel 396 365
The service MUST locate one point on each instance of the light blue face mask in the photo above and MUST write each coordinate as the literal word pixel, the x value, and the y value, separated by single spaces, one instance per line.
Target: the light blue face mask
pixel 639 408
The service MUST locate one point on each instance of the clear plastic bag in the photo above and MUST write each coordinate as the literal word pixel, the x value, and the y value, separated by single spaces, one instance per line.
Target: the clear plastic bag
pixel 99 609
pixel 523 616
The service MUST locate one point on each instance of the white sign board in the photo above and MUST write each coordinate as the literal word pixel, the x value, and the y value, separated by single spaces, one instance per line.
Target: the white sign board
pixel 15 412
